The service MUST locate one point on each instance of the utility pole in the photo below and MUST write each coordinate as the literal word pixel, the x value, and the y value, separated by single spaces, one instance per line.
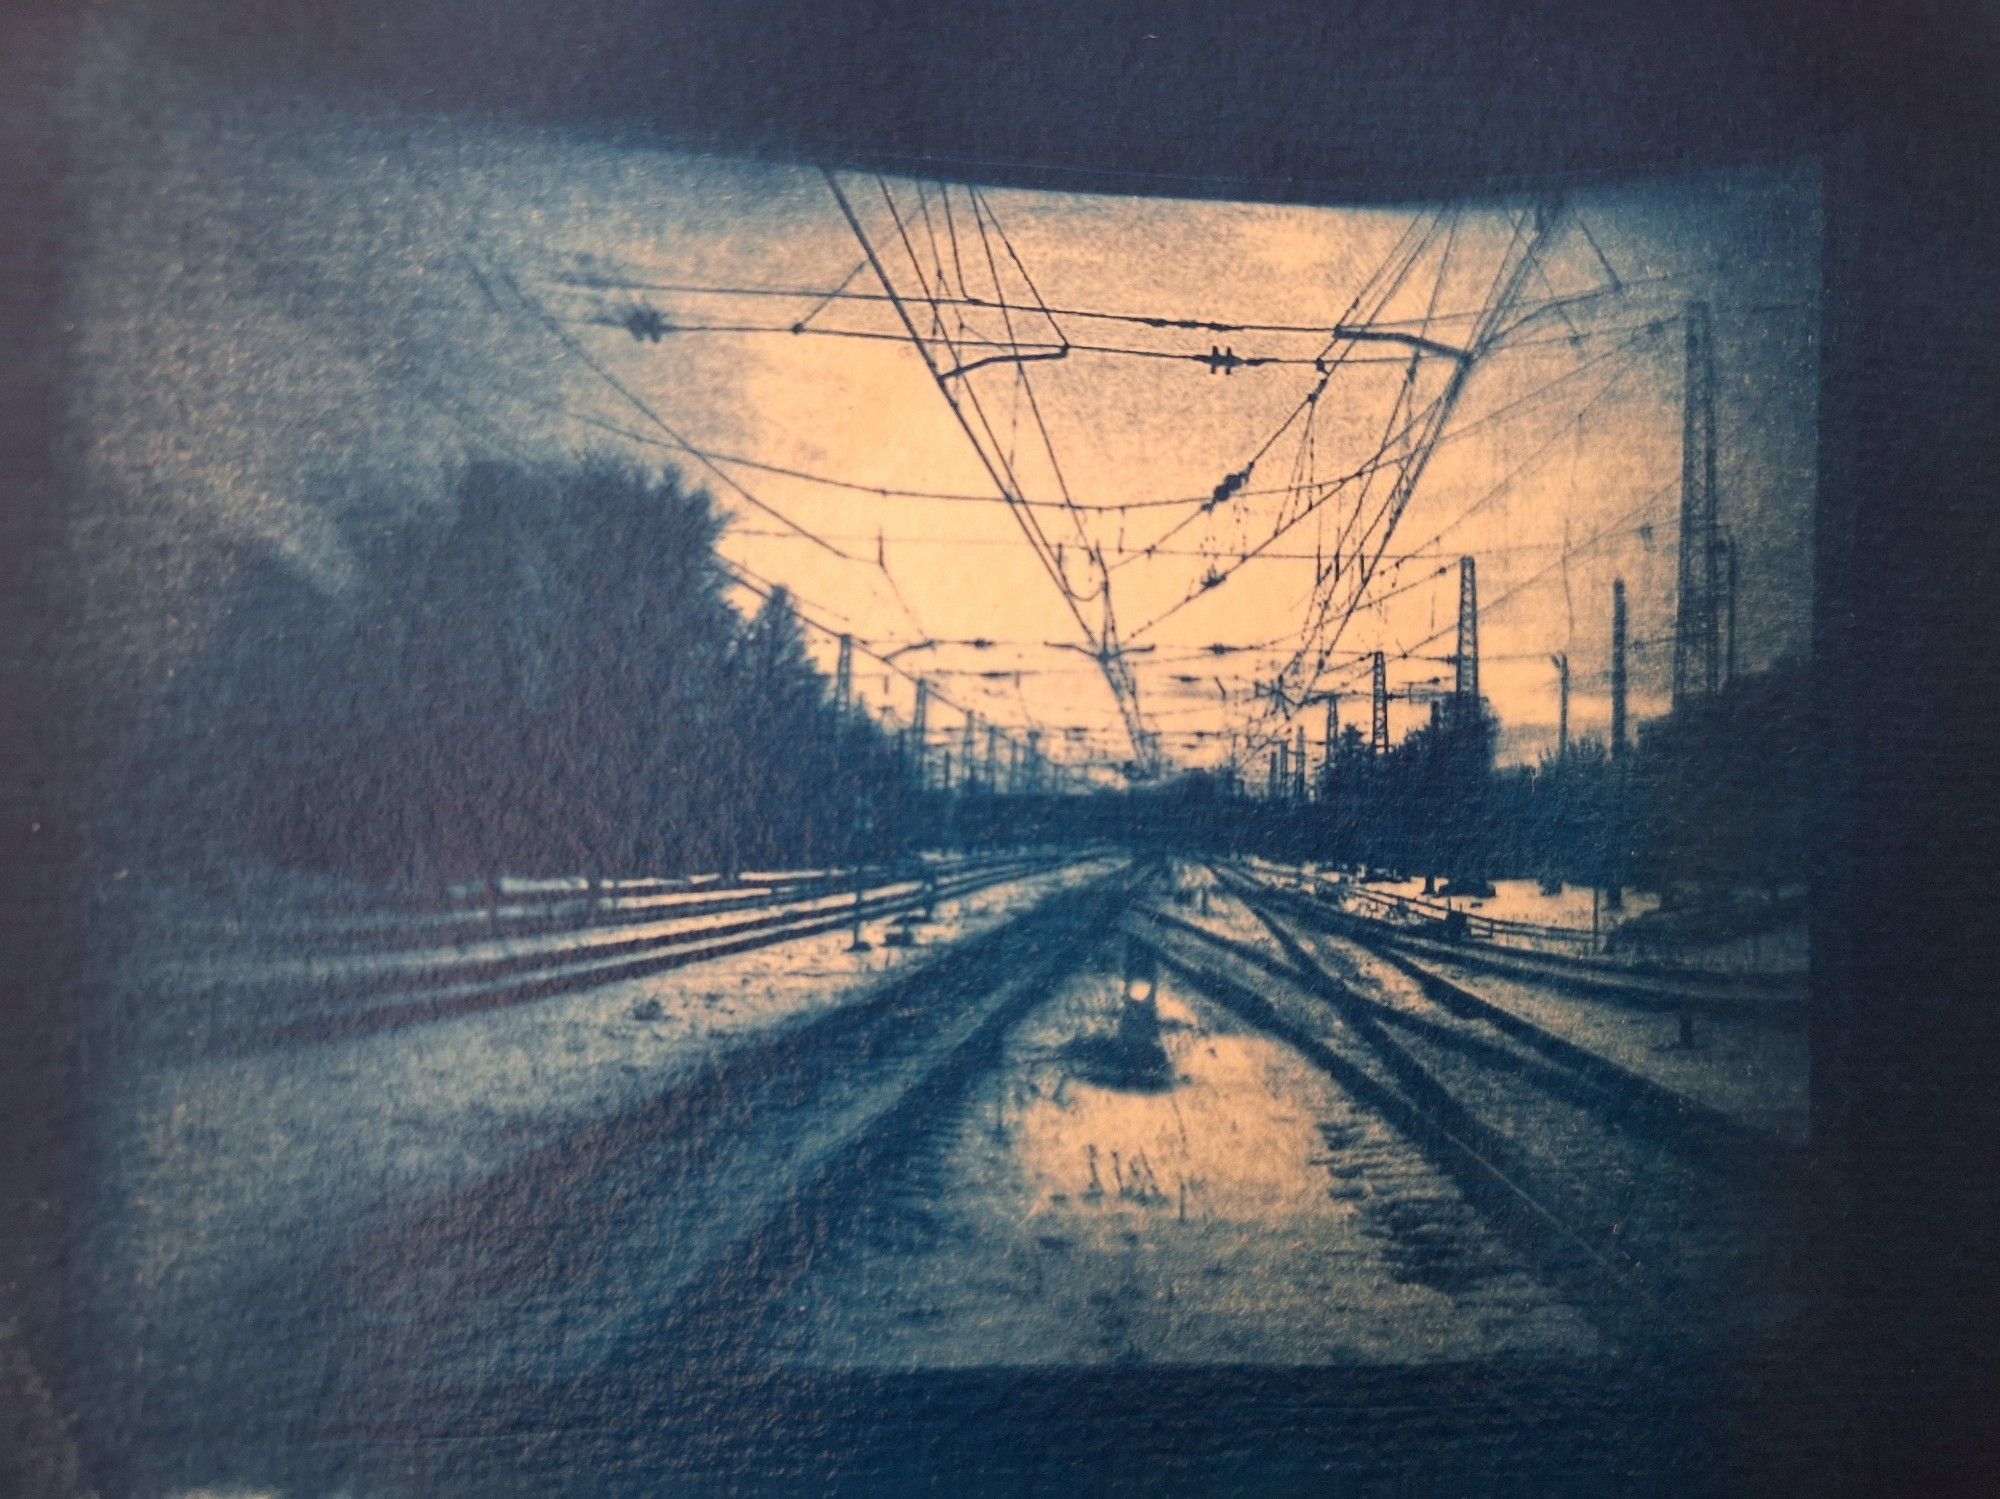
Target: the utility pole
pixel 1299 768
pixel 1379 740
pixel 1271 778
pixel 992 758
pixel 920 732
pixel 1614 893
pixel 1468 640
pixel 1697 658
pixel 1034 760
pixel 857 812
pixel 1332 732
pixel 1729 554
pixel 1618 669
pixel 965 758
pixel 1561 663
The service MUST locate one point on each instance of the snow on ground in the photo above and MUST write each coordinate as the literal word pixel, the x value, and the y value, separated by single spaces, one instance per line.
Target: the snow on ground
pixel 1752 1069
pixel 1576 908
pixel 1199 898
pixel 580 943
pixel 1781 951
pixel 1523 900
pixel 1229 1205
pixel 209 1171
pixel 265 915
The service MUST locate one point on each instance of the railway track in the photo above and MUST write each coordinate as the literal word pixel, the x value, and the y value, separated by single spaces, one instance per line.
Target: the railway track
pixel 1662 1220
pixel 435 984
pixel 468 915
pixel 638 1272
pixel 1639 986
pixel 651 1244
pixel 1697 1125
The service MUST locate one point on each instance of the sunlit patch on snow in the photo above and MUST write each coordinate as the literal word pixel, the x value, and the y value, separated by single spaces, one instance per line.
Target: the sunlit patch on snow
pixel 1211 1145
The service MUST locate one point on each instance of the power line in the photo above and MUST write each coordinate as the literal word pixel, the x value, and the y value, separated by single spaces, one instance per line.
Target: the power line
pixel 1506 289
pixel 883 491
pixel 650 326
pixel 951 299
pixel 1595 539
pixel 1388 331
pixel 1513 475
pixel 1383 460
pixel 762 587
pixel 1508 278
pixel 742 575
pixel 1376 329
pixel 1405 254
pixel 1119 685
pixel 583 355
pixel 1395 558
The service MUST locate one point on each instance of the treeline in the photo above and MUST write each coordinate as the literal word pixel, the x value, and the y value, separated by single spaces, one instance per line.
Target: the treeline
pixel 1722 792
pixel 543 677
pixel 546 677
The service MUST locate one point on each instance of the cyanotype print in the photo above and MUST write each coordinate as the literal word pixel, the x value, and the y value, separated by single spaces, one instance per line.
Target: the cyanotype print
pixel 758 769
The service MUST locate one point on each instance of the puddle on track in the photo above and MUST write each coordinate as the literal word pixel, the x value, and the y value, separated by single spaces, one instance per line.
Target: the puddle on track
pixel 1093 1201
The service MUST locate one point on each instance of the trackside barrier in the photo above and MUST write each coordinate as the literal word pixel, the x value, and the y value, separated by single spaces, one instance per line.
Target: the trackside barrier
pixel 1437 919
pixel 526 908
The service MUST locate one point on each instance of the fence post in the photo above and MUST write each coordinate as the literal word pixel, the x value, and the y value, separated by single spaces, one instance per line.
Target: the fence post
pixel 859 942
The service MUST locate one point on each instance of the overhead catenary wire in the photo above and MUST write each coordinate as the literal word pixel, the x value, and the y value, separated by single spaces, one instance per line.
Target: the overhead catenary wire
pixel 1123 688
pixel 1268 555
pixel 1380 286
pixel 1620 527
pixel 1430 420
pixel 680 442
pixel 891 491
pixel 556 330
pixel 945 246
pixel 1005 350
pixel 1385 331
pixel 1508 279
pixel 748 579
pixel 739 574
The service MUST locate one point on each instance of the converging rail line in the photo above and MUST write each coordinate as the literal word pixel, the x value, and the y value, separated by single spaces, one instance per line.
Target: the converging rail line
pixel 1634 1201
pixel 650 1245
pixel 1563 957
pixel 392 990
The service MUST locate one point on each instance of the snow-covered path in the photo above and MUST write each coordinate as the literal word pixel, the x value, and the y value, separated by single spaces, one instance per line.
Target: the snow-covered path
pixel 213 1173
pixel 1749 1061
pixel 805 1162
pixel 1238 1208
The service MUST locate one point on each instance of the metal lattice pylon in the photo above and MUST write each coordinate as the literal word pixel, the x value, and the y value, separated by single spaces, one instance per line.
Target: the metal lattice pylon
pixel 1379 740
pixel 1618 669
pixel 1697 654
pixel 1468 636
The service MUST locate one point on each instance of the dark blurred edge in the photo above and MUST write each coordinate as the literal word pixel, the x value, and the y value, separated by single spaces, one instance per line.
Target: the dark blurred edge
pixel 41 929
pixel 1333 102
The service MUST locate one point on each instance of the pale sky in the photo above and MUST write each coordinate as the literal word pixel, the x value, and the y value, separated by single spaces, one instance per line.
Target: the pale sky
pixel 1588 428
pixel 292 318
